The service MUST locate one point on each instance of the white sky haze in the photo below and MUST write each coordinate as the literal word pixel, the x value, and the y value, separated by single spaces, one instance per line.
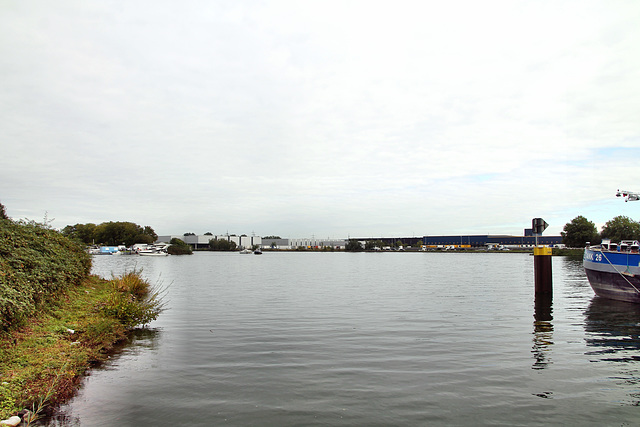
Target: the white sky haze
pixel 325 118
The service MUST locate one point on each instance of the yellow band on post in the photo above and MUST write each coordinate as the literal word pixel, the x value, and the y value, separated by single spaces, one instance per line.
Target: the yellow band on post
pixel 542 250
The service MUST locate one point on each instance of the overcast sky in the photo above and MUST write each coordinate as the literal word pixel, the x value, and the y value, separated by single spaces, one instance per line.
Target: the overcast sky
pixel 325 118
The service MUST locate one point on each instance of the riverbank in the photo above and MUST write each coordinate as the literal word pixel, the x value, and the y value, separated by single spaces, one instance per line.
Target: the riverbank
pixel 56 320
pixel 42 362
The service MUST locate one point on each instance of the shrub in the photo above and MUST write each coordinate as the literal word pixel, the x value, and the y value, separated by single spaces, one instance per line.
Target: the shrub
pixel 37 266
pixel 179 247
pixel 133 301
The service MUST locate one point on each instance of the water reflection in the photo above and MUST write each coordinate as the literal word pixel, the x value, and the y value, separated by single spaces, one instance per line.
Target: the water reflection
pixel 542 330
pixel 613 330
pixel 138 342
pixel 613 336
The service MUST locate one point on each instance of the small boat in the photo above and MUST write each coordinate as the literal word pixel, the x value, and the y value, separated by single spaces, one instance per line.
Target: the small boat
pixel 245 251
pixel 613 269
pixel 105 250
pixel 258 251
pixel 159 249
pixel 150 252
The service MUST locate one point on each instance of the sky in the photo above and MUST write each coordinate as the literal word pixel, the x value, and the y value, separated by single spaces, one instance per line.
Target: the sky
pixel 320 118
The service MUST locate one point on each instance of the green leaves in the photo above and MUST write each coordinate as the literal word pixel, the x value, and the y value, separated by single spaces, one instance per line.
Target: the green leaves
pixel 578 232
pixel 621 228
pixel 37 264
pixel 111 233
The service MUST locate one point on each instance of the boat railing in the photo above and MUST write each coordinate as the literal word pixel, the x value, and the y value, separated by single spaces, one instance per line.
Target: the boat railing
pixel 630 246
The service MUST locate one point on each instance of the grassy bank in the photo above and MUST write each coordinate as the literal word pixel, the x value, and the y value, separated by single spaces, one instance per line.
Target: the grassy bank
pixel 56 320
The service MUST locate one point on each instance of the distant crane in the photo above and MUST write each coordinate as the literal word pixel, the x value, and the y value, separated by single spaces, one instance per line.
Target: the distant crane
pixel 628 195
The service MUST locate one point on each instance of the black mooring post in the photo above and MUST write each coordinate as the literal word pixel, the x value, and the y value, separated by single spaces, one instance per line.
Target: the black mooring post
pixel 542 269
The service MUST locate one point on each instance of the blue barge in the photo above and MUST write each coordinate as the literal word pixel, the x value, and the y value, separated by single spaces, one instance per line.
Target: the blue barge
pixel 614 270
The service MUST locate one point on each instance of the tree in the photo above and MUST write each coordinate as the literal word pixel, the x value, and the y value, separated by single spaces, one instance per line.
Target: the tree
pixel 82 232
pixel 208 233
pixel 148 231
pixel 3 212
pixel 179 247
pixel 578 232
pixel 353 246
pixel 222 245
pixel 272 237
pixel 111 233
pixel 621 228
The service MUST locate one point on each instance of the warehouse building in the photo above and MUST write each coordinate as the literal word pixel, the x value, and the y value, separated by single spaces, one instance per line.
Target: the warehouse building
pixel 202 241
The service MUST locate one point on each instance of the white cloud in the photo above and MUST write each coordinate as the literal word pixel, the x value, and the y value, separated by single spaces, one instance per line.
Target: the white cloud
pixel 331 118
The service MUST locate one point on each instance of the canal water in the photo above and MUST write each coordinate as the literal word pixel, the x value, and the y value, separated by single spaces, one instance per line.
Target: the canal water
pixel 366 339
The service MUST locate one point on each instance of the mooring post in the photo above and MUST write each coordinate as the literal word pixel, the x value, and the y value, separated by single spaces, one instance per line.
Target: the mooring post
pixel 542 269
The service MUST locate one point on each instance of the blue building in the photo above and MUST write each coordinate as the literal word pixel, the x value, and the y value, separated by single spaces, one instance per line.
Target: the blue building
pixel 472 240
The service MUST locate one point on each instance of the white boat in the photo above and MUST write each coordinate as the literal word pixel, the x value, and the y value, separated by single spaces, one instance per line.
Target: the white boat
pixel 159 249
pixel 245 251
pixel 149 252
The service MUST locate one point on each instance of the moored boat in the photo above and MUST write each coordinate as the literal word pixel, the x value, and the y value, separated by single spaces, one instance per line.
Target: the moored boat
pixel 614 270
pixel 159 249
pixel 152 253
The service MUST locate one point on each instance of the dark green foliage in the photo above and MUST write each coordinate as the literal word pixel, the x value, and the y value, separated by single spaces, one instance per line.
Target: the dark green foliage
pixel 37 265
pixel 179 247
pixel 222 245
pixel 353 246
pixel 82 232
pixel 578 232
pixel 3 212
pixel 621 228
pixel 111 233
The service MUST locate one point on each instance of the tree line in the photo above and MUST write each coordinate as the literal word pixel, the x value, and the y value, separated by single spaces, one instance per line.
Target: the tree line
pixel 111 233
pixel 580 230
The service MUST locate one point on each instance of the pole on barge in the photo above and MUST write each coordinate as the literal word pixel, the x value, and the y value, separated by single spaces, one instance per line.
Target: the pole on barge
pixel 541 260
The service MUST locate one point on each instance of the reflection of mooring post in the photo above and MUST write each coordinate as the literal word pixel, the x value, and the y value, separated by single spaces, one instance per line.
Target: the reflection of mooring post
pixel 541 260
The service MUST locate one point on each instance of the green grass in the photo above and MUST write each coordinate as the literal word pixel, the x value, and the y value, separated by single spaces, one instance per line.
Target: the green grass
pixel 56 319
pixel 45 359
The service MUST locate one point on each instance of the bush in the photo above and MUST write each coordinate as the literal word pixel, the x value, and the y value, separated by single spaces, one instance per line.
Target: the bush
pixel 37 265
pixel 133 301
pixel 179 247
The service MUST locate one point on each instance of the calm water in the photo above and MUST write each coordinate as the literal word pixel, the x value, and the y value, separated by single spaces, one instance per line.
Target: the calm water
pixel 367 339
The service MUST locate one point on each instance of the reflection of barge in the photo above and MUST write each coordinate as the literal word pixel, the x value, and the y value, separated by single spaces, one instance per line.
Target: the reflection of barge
pixel 614 270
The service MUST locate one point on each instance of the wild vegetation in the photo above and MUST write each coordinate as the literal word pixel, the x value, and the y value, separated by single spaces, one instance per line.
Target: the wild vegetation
pixel 37 265
pixel 55 318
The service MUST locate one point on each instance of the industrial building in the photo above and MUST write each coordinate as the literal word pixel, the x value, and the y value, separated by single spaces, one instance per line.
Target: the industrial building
pixel 307 243
pixel 440 241
pixel 472 241
pixel 202 241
